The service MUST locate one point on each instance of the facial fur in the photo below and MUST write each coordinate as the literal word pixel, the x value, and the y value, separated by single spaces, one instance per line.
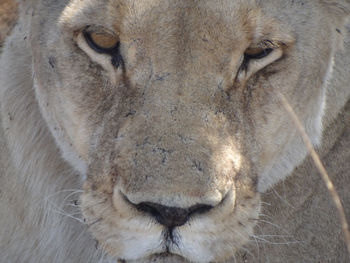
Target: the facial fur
pixel 189 116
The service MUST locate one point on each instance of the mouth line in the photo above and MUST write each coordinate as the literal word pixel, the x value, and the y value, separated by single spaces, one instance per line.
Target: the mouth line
pixel 167 254
pixel 170 238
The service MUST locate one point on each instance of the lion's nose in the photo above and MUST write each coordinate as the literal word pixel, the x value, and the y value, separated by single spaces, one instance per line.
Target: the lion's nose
pixel 172 216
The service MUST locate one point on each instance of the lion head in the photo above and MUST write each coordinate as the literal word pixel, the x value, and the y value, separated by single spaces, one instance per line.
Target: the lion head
pixel 170 111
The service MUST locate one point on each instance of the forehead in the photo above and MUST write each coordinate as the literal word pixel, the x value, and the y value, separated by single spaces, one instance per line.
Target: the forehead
pixel 134 15
pixel 222 8
pixel 181 13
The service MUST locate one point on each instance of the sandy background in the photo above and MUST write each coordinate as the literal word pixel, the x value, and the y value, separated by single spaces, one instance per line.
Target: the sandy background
pixel 8 15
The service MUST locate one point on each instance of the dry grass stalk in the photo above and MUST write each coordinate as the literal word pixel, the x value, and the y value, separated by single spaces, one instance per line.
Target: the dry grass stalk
pixel 321 168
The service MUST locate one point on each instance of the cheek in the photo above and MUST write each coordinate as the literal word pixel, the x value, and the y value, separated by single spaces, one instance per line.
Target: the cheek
pixel 75 124
pixel 67 123
pixel 273 139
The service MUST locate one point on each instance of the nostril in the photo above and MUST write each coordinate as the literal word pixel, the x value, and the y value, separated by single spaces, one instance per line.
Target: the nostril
pixel 151 209
pixel 200 209
pixel 171 216
pixel 167 216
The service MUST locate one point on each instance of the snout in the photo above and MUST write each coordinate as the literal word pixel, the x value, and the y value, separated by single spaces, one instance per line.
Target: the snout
pixel 161 164
pixel 198 233
pixel 181 188
pixel 171 207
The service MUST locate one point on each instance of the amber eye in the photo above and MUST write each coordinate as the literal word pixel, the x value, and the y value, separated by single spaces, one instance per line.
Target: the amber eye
pixel 105 43
pixel 102 42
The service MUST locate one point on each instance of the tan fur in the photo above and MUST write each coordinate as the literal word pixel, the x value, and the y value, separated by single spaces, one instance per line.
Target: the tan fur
pixel 8 17
pixel 181 122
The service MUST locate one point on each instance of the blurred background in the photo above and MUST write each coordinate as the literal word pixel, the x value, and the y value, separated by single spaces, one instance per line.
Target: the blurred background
pixel 8 16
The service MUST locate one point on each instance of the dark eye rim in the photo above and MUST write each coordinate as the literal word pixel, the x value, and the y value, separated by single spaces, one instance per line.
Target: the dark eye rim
pixel 114 52
pixel 110 51
pixel 247 58
pixel 260 55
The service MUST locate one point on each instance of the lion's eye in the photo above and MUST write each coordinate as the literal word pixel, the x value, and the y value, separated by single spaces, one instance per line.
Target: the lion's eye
pixel 257 53
pixel 104 43
pixel 254 54
pixel 256 58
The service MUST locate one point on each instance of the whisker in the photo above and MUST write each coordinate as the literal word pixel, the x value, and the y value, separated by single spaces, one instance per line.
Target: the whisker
pixel 248 252
pixel 264 215
pixel 272 224
pixel 257 245
pixel 95 222
pixel 63 191
pixel 72 205
pixel 276 236
pixel 263 240
pixel 73 193
pixel 68 215
pixel 282 199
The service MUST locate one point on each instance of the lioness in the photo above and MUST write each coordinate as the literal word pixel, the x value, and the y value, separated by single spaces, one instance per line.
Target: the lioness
pixel 152 131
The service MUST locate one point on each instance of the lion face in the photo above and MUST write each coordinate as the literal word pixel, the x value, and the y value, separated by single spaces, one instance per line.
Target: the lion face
pixel 170 111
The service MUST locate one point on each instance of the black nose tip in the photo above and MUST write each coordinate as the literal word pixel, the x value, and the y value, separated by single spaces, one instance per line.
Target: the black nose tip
pixel 171 216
